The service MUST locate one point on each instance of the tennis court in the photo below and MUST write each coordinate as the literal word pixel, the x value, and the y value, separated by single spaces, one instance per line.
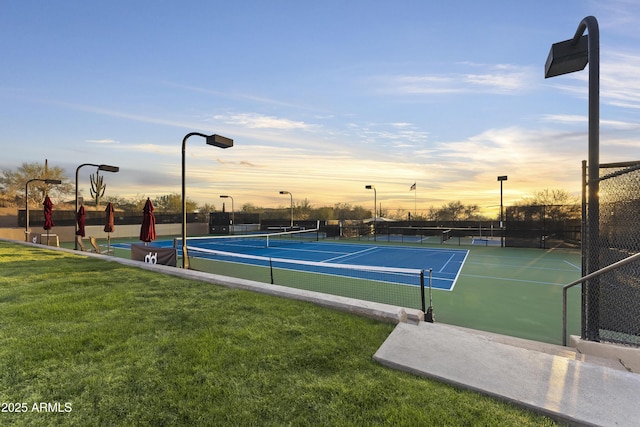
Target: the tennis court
pixel 306 251
pixel 512 291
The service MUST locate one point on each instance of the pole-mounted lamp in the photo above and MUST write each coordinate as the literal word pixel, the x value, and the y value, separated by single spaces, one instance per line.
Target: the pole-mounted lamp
pixel 375 203
pixel 291 195
pixel 567 57
pixel 501 179
pixel 224 196
pixel 216 141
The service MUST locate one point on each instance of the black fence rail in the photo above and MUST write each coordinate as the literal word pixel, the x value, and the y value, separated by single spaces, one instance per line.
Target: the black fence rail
pixel 68 218
pixel 542 233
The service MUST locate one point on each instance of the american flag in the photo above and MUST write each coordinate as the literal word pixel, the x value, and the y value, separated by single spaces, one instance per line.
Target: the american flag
pixel 413 187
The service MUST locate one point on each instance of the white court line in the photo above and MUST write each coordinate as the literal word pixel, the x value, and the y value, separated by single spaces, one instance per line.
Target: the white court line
pixel 455 280
pixel 446 263
pixel 574 266
pixel 506 279
pixel 350 254
pixel 502 266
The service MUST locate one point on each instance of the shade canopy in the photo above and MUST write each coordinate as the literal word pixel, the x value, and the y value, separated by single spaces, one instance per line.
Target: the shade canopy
pixel 148 228
pixel 109 218
pixel 48 210
pixel 81 217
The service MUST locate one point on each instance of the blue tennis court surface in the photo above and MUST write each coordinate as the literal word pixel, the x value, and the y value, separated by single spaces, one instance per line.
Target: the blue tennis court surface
pixel 445 263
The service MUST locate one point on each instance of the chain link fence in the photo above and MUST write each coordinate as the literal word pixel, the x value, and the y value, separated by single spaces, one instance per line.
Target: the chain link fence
pixel 615 316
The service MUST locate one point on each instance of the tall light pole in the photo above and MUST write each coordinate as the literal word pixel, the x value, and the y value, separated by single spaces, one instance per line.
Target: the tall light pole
pixel 26 201
pixel 567 57
pixel 216 141
pixel 106 168
pixel 232 210
pixel 501 179
pixel 375 203
pixel 291 195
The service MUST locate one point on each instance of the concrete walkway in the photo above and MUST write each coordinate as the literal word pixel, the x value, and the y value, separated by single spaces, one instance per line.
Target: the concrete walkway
pixel 554 380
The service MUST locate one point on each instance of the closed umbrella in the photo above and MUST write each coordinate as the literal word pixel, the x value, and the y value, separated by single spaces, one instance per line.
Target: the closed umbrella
pixel 80 217
pixel 108 227
pixel 148 229
pixel 48 220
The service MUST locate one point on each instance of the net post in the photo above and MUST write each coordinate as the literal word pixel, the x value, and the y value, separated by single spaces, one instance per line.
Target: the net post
pixel 271 269
pixel 424 307
pixel 429 316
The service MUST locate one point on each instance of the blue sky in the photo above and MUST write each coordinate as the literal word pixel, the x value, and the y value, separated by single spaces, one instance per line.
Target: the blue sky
pixel 321 98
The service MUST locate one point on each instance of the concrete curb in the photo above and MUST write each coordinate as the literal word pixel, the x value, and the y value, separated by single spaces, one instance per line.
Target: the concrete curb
pixel 374 310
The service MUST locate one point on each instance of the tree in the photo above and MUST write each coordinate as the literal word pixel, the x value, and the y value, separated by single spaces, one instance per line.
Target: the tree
pixel 452 211
pixel 303 209
pixel 249 208
pixel 470 212
pixel 173 203
pixel 433 214
pixel 323 213
pixel 130 205
pixel 554 205
pixel 400 214
pixel 344 211
pixel 13 184
pixel 207 208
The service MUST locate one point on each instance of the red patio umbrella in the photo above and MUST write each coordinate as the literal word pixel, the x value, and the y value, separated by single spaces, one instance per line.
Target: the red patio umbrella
pixel 109 221
pixel 108 227
pixel 80 217
pixel 148 229
pixel 48 220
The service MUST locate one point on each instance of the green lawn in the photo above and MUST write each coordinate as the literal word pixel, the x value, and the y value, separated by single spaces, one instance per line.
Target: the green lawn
pixel 106 344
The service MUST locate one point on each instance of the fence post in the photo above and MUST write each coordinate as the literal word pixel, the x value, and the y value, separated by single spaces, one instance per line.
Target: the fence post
pixel 271 269
pixel 424 306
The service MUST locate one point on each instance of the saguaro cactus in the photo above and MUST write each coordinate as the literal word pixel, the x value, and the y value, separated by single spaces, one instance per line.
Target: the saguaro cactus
pixel 97 187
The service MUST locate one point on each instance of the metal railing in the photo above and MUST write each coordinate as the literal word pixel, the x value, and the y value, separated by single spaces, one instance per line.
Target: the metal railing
pixel 600 272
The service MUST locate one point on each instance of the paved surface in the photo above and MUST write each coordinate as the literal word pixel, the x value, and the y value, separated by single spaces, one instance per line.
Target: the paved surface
pixel 554 380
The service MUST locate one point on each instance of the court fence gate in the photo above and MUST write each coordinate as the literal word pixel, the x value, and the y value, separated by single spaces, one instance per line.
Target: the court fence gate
pixel 611 301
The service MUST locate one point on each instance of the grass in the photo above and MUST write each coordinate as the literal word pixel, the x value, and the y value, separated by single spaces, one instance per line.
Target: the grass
pixel 123 346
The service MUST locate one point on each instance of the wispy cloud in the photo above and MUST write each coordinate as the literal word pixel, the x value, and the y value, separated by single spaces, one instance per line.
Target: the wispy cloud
pixel 498 79
pixel 619 16
pixel 106 141
pixel 619 79
pixel 502 78
pixel 255 99
pixel 619 83
pixel 259 121
pixel 564 118
pixel 569 119
pixel 238 162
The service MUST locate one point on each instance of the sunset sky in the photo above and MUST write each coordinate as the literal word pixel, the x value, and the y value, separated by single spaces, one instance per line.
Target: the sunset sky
pixel 321 98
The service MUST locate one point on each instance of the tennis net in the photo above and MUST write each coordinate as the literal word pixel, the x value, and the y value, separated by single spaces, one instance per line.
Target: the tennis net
pixel 390 285
pixel 239 243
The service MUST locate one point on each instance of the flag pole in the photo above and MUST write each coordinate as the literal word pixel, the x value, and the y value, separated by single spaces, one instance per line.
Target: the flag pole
pixel 415 198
